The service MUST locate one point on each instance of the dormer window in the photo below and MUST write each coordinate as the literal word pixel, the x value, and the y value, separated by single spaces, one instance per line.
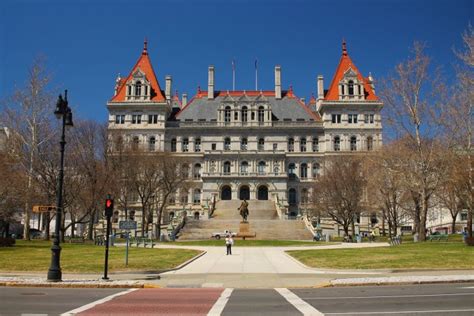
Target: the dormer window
pixel 350 91
pixel 227 114
pixel 261 114
pixel 138 88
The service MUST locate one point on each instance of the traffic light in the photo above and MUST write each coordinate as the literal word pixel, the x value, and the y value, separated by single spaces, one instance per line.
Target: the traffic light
pixel 109 206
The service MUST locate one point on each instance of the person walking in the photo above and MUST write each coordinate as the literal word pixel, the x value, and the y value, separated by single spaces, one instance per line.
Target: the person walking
pixel 229 241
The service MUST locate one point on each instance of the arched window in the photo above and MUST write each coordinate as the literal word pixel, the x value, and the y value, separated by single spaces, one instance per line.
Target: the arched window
pixel 197 171
pixel 183 197
pixel 135 142
pixel 315 144
pixel 261 113
pixel 243 144
pixel 197 196
pixel 261 144
pixel 304 196
pixel 244 167
pixel 185 171
pixel 227 114
pixel 244 114
pixel 172 198
pixel 261 167
pixel 353 143
pixel 370 143
pixel 227 143
pixel 350 89
pixel 138 88
pixel 337 143
pixel 316 168
pixel 304 171
pixel 173 145
pixel 303 144
pixel 151 144
pixel 292 196
pixel 292 170
pixel 291 144
pixel 170 216
pixel 227 167
pixel 253 116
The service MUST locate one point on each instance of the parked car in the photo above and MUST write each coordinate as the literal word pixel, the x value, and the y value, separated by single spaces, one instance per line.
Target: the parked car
pixel 223 234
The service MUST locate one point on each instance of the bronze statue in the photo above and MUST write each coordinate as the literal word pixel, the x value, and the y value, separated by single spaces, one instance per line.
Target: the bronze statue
pixel 244 211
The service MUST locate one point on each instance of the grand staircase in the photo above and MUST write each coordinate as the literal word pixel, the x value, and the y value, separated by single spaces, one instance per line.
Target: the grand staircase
pixel 263 219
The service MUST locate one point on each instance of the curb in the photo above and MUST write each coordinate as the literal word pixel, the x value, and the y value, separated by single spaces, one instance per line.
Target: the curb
pixel 182 265
pixel 330 284
pixel 64 284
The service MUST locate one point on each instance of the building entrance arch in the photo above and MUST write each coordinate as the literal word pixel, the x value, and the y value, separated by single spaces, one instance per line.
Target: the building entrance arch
pixel 226 193
pixel 262 192
pixel 244 193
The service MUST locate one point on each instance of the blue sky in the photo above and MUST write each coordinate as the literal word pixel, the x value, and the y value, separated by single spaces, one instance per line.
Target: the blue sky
pixel 87 43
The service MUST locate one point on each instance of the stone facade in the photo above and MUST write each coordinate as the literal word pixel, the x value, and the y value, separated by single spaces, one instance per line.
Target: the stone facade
pixel 249 144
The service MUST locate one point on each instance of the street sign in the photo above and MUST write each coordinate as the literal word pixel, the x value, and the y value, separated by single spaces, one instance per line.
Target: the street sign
pixel 128 225
pixel 42 208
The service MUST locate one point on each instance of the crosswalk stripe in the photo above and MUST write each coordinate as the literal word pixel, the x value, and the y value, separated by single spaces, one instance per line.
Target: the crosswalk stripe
pixel 219 305
pixel 298 303
pixel 101 301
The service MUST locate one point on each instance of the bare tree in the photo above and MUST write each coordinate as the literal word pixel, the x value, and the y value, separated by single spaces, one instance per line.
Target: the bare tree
pixel 173 178
pixel 28 114
pixel 460 117
pixel 413 98
pixel 386 189
pixel 338 192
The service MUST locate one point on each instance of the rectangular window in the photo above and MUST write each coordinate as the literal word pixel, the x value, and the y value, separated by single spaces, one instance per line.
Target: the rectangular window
pixel 275 146
pixel 315 144
pixel 136 119
pixel 352 119
pixel 185 145
pixel 197 145
pixel 153 119
pixel 368 118
pixel 213 146
pixel 120 119
pixel 336 118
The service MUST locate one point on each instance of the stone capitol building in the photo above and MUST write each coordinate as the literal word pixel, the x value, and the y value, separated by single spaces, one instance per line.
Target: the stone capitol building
pixel 264 146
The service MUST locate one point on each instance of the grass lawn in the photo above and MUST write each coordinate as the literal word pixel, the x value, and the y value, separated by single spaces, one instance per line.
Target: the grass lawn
pixel 427 255
pixel 86 258
pixel 250 243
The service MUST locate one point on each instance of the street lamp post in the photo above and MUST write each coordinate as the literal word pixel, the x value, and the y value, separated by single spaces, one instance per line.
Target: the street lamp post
pixel 63 112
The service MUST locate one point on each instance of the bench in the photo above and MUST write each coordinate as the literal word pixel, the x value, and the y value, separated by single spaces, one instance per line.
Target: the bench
pixel 438 237
pixel 246 235
pixel 395 241
pixel 76 240
pixel 148 241
pixel 99 240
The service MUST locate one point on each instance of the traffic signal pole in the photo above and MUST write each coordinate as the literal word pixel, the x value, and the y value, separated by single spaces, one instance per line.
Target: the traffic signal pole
pixel 109 211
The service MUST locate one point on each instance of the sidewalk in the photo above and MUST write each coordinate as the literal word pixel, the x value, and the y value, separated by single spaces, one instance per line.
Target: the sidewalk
pixel 247 267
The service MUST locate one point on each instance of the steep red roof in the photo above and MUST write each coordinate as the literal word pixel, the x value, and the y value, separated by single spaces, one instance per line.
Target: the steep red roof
pixel 312 100
pixel 344 64
pixel 145 66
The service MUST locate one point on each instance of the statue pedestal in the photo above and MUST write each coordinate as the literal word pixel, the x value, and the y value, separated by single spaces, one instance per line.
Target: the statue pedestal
pixel 244 231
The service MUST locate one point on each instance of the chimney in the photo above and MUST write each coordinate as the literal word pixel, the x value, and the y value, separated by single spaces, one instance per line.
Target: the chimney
pixel 277 82
pixel 168 87
pixel 371 82
pixel 210 88
pixel 320 87
pixel 184 100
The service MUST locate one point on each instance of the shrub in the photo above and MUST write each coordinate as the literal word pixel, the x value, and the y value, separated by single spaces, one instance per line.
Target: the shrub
pixel 6 242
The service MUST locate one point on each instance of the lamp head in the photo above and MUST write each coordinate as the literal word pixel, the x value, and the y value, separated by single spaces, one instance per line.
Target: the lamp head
pixel 68 121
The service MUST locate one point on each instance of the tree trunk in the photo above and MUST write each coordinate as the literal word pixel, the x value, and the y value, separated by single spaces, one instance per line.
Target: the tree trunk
pixel 383 223
pixel 453 224
pixel 90 229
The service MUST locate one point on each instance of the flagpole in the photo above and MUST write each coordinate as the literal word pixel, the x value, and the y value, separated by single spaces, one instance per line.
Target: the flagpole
pixel 256 75
pixel 233 75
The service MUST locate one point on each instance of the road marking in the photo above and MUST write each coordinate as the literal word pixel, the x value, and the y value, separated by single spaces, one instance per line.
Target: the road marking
pixel 467 287
pixel 385 296
pixel 219 305
pixel 101 301
pixel 405 312
pixel 298 303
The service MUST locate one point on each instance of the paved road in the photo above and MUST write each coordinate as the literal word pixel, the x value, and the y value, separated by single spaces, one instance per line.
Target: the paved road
pixel 447 299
